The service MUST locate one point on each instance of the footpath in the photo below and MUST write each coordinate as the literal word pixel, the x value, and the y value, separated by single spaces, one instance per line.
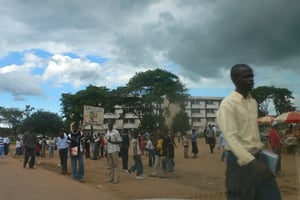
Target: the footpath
pixel 36 184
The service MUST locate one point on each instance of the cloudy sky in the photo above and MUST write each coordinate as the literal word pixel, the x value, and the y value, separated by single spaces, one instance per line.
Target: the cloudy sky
pixel 52 47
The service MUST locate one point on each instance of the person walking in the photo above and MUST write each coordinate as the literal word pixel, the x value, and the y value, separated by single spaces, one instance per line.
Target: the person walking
pixel 29 142
pixel 195 150
pixel 113 140
pixel 211 138
pixel 274 138
pixel 160 156
pixel 151 151
pixel 222 143
pixel 185 142
pixel 136 154
pixel 248 177
pixel 76 140
pixel 62 147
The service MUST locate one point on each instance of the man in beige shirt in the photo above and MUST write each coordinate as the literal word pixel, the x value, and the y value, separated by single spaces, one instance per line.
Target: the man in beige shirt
pixel 247 175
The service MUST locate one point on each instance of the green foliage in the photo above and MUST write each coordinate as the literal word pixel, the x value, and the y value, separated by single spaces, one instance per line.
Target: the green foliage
pixel 181 122
pixel 280 97
pixel 47 123
pixel 72 105
pixel 148 90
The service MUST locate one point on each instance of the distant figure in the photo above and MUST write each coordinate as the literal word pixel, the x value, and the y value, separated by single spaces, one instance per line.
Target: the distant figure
pixel 211 137
pixel 151 151
pixel 124 149
pixel 6 142
pixel 274 138
pixel 51 147
pixel 222 144
pixel 247 173
pixel 62 147
pixel 113 140
pixel 76 140
pixel 185 142
pixel 160 155
pixel 136 154
pixel 1 146
pixel 29 142
pixel 18 147
pixel 195 150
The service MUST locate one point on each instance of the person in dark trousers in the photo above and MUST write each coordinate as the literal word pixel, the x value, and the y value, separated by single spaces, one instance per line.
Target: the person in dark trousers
pixel 248 176
pixel 29 142
pixel 76 140
pixel 124 149
pixel 62 147
pixel 195 150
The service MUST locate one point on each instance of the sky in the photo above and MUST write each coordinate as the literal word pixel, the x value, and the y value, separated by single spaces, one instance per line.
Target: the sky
pixel 52 47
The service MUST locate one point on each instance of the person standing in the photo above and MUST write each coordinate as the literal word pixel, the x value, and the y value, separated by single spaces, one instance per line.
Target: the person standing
pixel 195 150
pixel 211 137
pixel 185 142
pixel 247 175
pixel 113 140
pixel 51 146
pixel 18 147
pixel 62 147
pixel 124 149
pixel 1 146
pixel 6 142
pixel 87 145
pixel 29 142
pixel 136 153
pixel 274 138
pixel 75 140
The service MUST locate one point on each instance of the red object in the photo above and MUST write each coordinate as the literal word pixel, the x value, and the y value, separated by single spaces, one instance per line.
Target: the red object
pixel 274 138
pixel 289 117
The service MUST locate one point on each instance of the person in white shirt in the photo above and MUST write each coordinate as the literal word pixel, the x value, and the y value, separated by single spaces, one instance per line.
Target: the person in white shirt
pixel 113 140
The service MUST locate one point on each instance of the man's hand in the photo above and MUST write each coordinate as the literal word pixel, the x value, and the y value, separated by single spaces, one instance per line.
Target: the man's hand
pixel 261 169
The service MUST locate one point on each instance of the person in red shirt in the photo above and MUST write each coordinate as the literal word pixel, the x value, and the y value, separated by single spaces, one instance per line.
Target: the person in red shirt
pixel 274 138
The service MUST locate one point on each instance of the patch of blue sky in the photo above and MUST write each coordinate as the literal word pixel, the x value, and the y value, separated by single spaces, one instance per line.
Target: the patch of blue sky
pixel 71 55
pixel 97 59
pixel 13 57
pixel 41 53
pixel 210 92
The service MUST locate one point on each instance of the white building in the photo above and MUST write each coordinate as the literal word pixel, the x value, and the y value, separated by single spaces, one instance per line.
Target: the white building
pixel 200 110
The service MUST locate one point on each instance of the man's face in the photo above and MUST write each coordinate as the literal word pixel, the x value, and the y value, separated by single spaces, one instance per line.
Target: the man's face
pixel 244 80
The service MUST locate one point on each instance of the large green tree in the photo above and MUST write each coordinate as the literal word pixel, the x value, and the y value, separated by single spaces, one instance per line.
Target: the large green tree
pixel 72 104
pixel 13 117
pixel 47 123
pixel 279 97
pixel 149 90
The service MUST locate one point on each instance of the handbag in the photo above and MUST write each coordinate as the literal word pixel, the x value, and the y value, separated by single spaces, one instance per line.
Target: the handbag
pixel 74 151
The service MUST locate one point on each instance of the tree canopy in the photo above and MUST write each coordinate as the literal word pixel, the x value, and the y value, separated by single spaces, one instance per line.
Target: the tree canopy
pixel 279 97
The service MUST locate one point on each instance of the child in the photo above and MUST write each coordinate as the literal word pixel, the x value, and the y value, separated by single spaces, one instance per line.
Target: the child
pixel 18 147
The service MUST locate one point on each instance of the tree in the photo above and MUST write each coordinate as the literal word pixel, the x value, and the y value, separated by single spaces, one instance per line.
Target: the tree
pixel 149 90
pixel 12 117
pixel 72 105
pixel 47 123
pixel 181 122
pixel 280 97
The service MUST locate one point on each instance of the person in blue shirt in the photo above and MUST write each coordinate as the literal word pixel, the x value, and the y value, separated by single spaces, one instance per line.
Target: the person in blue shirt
pixel 62 146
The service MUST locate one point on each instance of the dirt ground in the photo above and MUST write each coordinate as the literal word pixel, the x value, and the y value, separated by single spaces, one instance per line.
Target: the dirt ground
pixel 193 178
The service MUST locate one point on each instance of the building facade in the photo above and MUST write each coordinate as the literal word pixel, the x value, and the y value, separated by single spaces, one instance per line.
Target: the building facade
pixel 200 110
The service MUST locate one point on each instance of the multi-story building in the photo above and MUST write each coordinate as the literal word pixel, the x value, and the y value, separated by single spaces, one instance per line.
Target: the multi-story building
pixel 200 110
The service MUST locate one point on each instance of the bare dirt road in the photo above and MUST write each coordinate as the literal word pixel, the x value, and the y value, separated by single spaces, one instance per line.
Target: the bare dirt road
pixel 199 178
